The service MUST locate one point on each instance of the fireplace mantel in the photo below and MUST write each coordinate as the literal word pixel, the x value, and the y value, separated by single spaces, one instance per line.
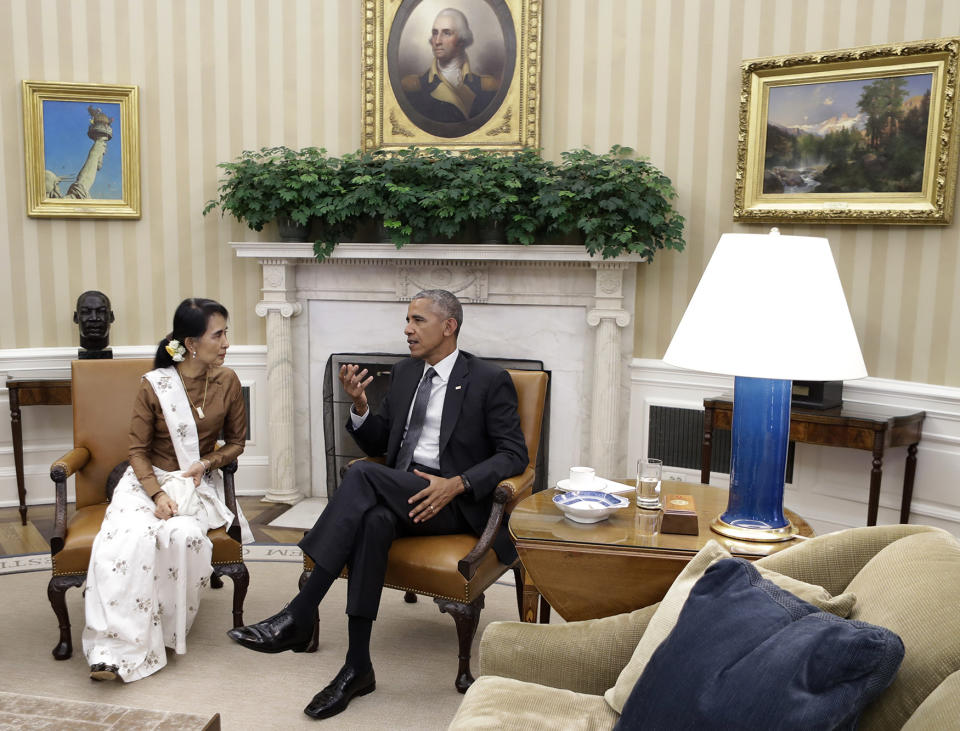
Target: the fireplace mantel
pixel 537 301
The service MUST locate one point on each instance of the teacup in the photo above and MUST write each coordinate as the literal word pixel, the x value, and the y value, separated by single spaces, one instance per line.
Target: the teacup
pixel 581 478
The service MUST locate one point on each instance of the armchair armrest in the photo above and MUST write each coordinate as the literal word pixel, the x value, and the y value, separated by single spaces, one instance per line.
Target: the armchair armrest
pixel 507 492
pixel 585 656
pixel 60 470
pixel 518 486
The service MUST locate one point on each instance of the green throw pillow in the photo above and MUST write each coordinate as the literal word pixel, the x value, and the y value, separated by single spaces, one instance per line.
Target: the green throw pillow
pixel 664 619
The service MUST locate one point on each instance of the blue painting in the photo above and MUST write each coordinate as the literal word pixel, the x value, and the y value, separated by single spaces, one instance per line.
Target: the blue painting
pixel 82 150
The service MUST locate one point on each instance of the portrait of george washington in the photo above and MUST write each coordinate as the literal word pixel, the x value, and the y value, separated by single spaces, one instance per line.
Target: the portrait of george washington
pixel 451 62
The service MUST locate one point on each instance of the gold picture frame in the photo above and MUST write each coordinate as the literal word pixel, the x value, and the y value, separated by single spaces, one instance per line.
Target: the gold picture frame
pixel 406 103
pixel 862 135
pixel 82 150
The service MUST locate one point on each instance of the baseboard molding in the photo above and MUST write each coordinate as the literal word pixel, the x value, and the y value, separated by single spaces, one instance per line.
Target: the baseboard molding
pixel 829 486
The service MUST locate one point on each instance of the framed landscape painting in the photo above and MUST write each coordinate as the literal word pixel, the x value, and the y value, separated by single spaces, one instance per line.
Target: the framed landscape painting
pixel 453 74
pixel 864 135
pixel 82 150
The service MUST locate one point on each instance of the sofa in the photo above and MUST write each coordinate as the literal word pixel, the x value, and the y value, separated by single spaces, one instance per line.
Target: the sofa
pixel 904 577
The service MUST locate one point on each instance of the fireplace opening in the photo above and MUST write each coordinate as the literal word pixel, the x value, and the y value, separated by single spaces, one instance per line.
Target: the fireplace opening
pixel 340 448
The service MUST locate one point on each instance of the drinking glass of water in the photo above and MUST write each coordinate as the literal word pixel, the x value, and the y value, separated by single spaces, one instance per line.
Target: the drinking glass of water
pixel 649 472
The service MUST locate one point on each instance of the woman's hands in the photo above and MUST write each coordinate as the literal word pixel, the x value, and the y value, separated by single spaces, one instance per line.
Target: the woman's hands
pixel 195 471
pixel 166 507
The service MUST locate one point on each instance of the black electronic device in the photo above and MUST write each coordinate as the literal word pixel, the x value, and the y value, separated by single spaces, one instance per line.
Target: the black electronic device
pixel 817 394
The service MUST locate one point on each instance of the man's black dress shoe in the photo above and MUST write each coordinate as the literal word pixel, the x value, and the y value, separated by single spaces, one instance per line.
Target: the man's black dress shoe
pixel 335 697
pixel 102 671
pixel 274 634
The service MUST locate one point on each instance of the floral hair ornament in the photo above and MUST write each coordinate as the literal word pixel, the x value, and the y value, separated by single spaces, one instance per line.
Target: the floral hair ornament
pixel 175 350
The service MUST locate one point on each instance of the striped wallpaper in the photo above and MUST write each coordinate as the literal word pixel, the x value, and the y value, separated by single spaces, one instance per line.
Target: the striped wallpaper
pixel 220 76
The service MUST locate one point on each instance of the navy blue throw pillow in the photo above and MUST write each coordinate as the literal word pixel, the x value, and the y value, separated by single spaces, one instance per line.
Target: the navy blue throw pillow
pixel 746 654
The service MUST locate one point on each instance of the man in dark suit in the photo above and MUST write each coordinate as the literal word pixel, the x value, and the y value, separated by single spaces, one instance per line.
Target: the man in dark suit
pixel 449 432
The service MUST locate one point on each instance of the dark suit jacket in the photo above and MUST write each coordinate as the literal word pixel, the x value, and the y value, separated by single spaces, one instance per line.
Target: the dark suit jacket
pixel 480 434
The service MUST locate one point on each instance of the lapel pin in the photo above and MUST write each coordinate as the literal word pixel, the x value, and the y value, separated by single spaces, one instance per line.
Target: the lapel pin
pixel 457 388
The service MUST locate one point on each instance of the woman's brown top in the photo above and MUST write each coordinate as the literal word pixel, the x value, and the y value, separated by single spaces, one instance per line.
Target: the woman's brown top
pixel 224 411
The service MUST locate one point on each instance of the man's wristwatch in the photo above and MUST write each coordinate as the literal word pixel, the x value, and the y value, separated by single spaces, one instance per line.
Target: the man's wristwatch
pixel 466 483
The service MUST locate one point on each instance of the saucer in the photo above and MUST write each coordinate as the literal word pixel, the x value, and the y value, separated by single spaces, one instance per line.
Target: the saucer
pixel 588 506
pixel 598 484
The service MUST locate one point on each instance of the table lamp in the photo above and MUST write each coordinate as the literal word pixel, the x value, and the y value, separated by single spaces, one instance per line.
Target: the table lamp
pixel 769 309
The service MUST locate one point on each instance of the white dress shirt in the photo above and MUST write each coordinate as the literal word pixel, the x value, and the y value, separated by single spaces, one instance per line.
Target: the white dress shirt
pixel 427 451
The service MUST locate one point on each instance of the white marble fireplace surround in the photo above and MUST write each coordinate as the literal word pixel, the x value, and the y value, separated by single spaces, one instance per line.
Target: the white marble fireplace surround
pixel 551 303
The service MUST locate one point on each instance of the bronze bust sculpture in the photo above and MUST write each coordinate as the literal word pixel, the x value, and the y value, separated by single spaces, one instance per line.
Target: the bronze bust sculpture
pixel 93 315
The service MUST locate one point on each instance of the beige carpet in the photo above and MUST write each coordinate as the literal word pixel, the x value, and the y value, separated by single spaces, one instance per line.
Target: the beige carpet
pixel 414 650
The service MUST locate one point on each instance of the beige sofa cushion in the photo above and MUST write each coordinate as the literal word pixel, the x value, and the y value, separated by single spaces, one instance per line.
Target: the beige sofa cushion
pixel 912 587
pixel 495 703
pixel 667 613
pixel 940 709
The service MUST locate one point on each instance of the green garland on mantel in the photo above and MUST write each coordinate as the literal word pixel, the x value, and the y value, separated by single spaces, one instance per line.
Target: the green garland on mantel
pixel 613 203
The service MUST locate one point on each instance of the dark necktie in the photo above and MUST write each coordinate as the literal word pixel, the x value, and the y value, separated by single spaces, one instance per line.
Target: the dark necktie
pixel 419 415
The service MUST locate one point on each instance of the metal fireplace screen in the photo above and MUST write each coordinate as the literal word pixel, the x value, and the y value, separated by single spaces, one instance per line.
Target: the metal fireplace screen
pixel 341 449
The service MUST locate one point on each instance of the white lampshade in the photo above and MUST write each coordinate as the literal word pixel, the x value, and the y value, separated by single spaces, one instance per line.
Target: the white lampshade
pixel 769 306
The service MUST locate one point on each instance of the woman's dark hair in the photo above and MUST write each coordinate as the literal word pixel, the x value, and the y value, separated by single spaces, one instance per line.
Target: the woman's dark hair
pixel 189 321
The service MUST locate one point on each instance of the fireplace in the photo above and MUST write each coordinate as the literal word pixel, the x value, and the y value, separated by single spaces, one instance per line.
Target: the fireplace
pixel 554 304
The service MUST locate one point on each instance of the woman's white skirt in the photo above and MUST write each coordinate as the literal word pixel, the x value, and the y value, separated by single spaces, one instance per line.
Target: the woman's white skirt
pixel 144 580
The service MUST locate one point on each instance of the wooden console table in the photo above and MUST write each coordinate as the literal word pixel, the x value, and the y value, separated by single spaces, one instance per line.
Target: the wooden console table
pixel 32 392
pixel 870 428
pixel 620 564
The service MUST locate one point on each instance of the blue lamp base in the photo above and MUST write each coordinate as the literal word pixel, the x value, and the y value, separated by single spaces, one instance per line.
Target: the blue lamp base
pixel 758 462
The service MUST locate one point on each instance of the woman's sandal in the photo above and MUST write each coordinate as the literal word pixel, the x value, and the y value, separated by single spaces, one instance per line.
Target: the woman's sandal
pixel 102 671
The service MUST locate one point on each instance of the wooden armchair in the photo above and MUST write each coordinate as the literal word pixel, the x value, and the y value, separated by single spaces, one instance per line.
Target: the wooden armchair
pixel 456 569
pixel 104 392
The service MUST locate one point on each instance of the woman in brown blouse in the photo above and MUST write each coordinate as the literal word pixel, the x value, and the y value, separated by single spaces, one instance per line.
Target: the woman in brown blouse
pixel 152 556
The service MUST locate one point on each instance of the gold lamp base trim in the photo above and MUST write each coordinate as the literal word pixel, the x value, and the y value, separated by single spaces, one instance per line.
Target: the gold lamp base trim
pixel 763 535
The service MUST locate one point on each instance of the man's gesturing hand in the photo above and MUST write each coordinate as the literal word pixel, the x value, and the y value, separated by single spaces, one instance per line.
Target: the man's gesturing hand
pixel 434 496
pixel 355 384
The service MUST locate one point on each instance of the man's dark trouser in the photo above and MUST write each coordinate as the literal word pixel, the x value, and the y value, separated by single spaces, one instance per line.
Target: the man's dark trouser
pixel 364 516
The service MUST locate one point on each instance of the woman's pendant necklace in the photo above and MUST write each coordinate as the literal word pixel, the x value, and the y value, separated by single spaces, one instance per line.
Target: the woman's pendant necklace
pixel 199 408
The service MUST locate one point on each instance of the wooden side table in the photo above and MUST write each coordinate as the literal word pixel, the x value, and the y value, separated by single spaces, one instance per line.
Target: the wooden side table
pixel 620 564
pixel 32 392
pixel 870 428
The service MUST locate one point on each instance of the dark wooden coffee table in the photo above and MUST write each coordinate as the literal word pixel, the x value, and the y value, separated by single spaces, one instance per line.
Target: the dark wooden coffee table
pixel 620 564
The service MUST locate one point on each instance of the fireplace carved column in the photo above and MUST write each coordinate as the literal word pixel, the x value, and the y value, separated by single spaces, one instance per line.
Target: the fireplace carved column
pixel 278 277
pixel 608 317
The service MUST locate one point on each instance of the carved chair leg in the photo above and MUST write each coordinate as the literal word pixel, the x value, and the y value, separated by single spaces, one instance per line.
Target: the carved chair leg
pixel 240 576
pixel 466 617
pixel 56 591
pixel 215 581
pixel 409 597
pixel 315 637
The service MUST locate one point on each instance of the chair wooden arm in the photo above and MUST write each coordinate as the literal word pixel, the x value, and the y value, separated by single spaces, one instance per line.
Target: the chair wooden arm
pixel 507 492
pixel 518 486
pixel 60 470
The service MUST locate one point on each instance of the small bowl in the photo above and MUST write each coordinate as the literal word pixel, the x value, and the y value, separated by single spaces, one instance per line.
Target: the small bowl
pixel 588 506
